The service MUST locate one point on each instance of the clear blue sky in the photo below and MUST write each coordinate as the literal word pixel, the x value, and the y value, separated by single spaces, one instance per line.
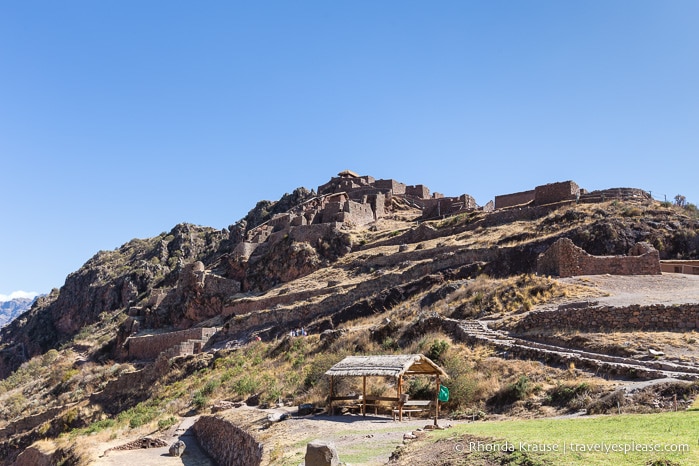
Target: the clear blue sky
pixel 120 119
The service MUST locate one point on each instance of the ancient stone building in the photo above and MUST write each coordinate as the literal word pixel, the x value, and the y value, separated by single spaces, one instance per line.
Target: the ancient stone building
pixel 178 343
pixel 565 259
pixel 556 192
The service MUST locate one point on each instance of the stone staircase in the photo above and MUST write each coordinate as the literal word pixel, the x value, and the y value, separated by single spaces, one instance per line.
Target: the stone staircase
pixel 478 331
pixel 191 345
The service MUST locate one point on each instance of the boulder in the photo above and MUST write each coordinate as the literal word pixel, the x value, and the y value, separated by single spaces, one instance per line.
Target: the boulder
pixel 306 408
pixel 177 448
pixel 321 453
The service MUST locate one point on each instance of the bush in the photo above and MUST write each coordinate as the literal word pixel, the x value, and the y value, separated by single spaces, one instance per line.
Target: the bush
pixel 437 350
pixel 564 394
pixel 516 391
pixel 608 403
pixel 421 388
pixel 167 422
pixel 246 385
pixel 318 367
pixel 199 400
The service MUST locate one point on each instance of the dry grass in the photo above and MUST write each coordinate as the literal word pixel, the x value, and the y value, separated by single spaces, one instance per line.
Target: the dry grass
pixel 491 297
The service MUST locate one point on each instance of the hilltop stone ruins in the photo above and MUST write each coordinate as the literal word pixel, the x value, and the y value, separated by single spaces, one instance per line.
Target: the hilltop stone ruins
pixel 347 201
pixel 350 200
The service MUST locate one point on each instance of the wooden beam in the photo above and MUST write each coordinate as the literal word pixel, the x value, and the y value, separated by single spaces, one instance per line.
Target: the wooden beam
pixel 364 397
pixel 436 403
pixel 330 401
pixel 400 404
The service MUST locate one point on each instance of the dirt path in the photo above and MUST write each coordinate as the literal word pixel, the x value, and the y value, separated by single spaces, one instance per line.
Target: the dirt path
pixel 193 455
pixel 359 440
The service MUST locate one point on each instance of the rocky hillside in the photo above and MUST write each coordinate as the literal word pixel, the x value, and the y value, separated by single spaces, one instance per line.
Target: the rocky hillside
pixel 358 248
pixel 152 280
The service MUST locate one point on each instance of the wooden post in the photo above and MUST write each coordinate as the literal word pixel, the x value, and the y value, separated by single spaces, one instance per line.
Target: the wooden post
pixel 436 406
pixel 330 398
pixel 364 396
pixel 400 392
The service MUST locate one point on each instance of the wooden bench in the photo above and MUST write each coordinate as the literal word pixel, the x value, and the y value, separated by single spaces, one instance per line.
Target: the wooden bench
pixel 412 406
pixel 375 402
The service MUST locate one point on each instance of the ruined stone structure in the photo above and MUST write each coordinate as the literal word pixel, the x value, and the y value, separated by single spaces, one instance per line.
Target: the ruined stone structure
pixel 351 200
pixel 227 443
pixel 678 266
pixel 567 191
pixel 621 194
pixel 172 344
pixel 565 259
pixel 556 192
pixel 541 195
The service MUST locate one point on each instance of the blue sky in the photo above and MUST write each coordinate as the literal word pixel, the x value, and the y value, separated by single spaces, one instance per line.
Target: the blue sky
pixel 119 120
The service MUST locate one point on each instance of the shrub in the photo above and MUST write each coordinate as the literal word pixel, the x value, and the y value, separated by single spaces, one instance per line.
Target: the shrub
pixel 421 388
pixel 317 368
pixel 167 422
pixel 199 400
pixel 516 391
pixel 246 385
pixel 565 394
pixel 437 350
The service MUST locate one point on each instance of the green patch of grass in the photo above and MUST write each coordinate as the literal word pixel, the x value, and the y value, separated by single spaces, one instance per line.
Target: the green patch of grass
pixel 368 452
pixel 94 427
pixel 637 432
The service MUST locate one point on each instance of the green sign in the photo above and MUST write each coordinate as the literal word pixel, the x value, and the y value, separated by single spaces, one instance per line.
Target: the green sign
pixel 443 394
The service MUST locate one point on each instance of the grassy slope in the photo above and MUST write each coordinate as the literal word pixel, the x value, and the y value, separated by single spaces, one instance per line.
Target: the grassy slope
pixel 665 430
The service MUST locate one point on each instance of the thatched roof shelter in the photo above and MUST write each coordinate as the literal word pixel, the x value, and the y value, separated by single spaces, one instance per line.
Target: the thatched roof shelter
pixel 396 366
pixel 386 365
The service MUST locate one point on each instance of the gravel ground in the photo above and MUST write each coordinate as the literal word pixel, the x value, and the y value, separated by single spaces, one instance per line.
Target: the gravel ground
pixel 669 288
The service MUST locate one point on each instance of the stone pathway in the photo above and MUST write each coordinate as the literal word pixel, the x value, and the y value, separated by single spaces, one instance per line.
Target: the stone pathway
pixel 622 291
pixel 479 331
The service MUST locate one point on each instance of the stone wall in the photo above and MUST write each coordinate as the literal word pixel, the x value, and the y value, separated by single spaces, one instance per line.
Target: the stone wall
pixel 565 259
pixel 678 266
pixel 509 200
pixel 226 443
pixel 606 318
pixel 556 192
pixel 150 346
pixel 418 190
pixel 356 213
pixel 439 207
pixel 393 186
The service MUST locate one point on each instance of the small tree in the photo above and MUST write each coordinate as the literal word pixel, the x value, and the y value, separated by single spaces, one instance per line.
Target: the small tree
pixel 680 200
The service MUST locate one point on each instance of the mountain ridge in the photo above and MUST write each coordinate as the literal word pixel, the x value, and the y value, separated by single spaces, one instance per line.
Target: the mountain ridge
pixel 12 308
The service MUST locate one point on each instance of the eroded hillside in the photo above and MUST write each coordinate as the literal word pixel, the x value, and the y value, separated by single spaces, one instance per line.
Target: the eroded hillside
pixel 363 267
